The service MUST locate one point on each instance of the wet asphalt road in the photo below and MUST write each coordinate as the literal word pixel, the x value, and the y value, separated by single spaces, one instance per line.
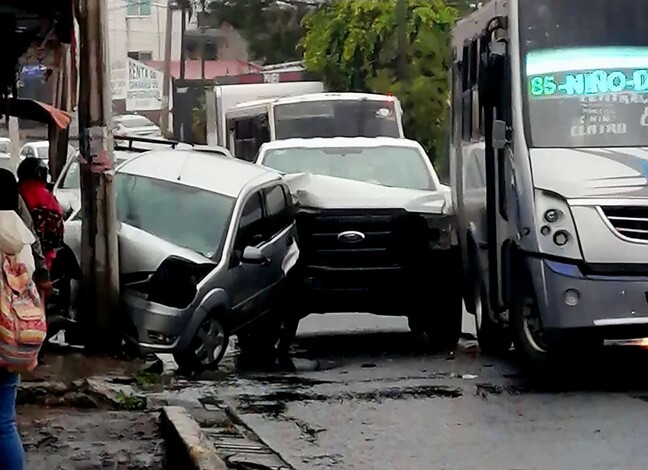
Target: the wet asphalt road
pixel 359 394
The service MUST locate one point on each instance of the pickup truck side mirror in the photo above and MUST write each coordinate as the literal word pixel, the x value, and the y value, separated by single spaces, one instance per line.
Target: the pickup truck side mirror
pixel 500 135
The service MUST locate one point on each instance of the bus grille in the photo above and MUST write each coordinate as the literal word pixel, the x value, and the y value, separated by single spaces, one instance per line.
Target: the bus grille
pixel 631 222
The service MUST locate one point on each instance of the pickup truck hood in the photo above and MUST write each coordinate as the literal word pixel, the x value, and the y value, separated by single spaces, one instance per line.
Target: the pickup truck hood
pixel 328 192
pixel 592 172
pixel 139 251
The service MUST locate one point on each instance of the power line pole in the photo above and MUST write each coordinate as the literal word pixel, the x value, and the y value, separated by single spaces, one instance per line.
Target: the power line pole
pixel 168 46
pixel 401 13
pixel 183 33
pixel 99 257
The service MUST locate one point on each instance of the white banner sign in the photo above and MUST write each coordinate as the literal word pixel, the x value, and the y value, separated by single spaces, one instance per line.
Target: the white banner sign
pixel 145 84
pixel 119 79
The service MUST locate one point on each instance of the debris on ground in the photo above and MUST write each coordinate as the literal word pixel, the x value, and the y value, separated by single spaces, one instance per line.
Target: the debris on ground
pixel 71 439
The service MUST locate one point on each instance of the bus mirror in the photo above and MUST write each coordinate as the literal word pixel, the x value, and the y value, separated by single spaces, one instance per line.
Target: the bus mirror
pixel 499 135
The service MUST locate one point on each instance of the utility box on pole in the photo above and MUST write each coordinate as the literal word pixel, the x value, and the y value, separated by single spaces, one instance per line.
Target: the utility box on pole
pixel 99 257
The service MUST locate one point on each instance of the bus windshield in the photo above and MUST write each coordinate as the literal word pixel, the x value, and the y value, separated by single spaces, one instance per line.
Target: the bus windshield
pixel 585 72
pixel 337 118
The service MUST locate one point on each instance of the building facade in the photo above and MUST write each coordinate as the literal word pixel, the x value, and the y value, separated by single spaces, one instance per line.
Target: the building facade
pixel 137 29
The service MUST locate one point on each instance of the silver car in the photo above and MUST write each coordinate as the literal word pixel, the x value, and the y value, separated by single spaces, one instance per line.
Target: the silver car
pixel 67 188
pixel 205 244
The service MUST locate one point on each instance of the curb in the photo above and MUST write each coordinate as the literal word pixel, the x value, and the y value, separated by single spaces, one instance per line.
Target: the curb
pixel 187 445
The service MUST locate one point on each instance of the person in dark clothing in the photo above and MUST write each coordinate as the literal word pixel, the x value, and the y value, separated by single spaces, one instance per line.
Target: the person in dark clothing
pixel 45 210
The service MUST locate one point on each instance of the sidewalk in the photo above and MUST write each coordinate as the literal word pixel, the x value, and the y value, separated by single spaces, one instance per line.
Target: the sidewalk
pixel 78 412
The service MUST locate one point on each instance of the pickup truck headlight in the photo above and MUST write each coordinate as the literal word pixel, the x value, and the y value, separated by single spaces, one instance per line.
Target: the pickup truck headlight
pixel 556 228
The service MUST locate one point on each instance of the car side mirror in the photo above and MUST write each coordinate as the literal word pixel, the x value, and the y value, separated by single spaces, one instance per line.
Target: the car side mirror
pixel 500 135
pixel 252 255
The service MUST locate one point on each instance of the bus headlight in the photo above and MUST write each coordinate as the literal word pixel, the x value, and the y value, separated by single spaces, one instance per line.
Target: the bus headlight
pixel 556 230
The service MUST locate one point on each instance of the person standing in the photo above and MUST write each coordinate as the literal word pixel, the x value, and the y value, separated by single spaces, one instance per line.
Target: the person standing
pixel 45 210
pixel 22 319
pixel 8 190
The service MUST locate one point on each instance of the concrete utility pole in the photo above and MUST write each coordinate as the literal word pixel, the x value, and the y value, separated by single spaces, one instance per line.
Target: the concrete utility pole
pixel 168 46
pixel 99 257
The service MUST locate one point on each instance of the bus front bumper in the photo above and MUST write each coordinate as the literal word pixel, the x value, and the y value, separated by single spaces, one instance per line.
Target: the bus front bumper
pixel 569 299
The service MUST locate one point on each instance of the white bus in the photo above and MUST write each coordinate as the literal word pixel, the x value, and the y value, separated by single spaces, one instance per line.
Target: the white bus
pixel 549 172
pixel 225 97
pixel 249 125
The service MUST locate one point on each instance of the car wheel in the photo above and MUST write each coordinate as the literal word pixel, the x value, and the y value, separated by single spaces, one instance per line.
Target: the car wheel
pixel 441 329
pixel 206 349
pixel 494 339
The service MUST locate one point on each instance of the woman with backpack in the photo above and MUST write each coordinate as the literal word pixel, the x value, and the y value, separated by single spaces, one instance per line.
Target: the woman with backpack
pixel 22 318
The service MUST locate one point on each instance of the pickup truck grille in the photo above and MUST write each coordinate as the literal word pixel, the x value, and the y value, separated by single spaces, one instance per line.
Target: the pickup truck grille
pixel 629 221
pixel 391 238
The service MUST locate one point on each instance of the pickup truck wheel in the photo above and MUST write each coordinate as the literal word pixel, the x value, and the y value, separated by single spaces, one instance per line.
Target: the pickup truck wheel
pixel 494 339
pixel 206 349
pixel 440 327
pixel 287 334
pixel 261 340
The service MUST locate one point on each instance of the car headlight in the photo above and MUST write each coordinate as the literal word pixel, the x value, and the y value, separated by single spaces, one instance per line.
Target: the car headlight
pixel 556 228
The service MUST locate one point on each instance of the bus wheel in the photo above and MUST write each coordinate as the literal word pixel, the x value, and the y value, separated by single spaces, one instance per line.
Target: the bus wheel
pixel 494 339
pixel 529 335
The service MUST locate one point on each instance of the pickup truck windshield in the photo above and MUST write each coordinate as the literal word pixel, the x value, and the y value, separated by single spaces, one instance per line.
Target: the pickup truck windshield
pixel 336 118
pixel 399 167
pixel 585 65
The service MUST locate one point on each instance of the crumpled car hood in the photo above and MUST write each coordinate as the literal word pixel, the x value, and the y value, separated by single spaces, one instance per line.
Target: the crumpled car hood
pixel 139 251
pixel 329 192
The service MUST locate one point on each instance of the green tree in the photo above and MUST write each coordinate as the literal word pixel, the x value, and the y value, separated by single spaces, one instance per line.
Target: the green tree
pixel 272 28
pixel 354 46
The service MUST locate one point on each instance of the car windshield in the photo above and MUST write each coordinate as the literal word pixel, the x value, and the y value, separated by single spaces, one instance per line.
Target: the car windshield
pixel 135 122
pixel 586 72
pixel 72 179
pixel 336 118
pixel 188 217
pixel 400 167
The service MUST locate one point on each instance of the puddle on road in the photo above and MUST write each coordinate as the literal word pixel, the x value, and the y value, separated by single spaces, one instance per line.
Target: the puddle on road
pixel 276 401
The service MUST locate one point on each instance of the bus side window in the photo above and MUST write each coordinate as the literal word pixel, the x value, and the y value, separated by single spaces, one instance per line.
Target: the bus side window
pixel 470 103
pixel 249 135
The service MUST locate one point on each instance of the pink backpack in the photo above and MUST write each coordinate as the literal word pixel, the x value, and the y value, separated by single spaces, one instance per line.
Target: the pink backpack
pixel 23 325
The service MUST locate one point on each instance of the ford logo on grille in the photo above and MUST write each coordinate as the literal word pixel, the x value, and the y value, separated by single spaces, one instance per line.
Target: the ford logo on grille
pixel 351 237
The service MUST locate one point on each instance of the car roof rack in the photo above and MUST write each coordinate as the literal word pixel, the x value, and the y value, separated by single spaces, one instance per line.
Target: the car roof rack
pixel 144 140
pixel 158 141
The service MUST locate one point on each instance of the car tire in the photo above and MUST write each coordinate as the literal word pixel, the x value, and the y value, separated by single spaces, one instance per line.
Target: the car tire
pixel 206 349
pixel 441 329
pixel 494 339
